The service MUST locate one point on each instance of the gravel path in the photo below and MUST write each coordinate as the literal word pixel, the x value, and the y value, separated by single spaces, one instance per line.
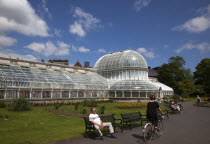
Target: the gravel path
pixel 192 127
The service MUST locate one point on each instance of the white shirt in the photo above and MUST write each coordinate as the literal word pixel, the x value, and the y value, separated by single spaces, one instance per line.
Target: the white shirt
pixel 95 118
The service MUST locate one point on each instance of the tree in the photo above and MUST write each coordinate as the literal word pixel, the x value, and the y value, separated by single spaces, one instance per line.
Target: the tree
pixel 186 86
pixel 202 75
pixel 176 76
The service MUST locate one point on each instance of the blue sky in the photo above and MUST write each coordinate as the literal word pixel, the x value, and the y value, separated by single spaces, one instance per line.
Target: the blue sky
pixel 85 30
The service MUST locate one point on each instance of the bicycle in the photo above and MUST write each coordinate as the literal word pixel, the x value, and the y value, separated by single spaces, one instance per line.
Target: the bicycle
pixel 149 131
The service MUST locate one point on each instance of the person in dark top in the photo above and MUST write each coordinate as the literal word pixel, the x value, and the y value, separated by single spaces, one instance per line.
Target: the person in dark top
pixel 152 111
pixel 198 100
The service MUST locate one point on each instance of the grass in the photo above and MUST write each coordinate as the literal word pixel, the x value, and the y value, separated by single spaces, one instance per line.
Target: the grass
pixel 40 127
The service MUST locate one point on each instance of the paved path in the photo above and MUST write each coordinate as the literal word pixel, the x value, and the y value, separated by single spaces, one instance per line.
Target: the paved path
pixel 192 127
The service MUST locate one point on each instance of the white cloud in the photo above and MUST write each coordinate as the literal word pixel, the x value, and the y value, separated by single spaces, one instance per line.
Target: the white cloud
pixel 81 49
pixel 139 4
pixel 44 10
pixel 6 41
pixel 146 53
pixel 77 29
pixel 101 51
pixel 197 24
pixel 83 23
pixel 57 32
pixel 15 55
pixel 19 16
pixel 202 47
pixel 49 48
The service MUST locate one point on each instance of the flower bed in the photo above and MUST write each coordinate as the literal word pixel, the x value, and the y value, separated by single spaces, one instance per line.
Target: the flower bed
pixel 187 99
pixel 131 105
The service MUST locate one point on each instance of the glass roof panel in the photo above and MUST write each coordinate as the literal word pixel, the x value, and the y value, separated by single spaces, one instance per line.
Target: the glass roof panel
pixel 122 59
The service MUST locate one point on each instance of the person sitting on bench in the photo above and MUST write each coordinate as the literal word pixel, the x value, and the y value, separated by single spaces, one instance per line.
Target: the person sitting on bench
pixel 175 106
pixel 98 124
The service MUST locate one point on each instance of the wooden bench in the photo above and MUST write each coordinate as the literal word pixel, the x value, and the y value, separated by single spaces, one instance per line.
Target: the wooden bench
pixel 129 118
pixel 89 127
pixel 115 122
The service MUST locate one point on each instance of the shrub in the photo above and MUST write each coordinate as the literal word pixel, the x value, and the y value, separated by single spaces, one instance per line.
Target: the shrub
pixel 4 116
pixel 76 106
pixel 20 105
pixel 89 103
pixel 102 109
pixel 57 105
pixel 110 101
pixel 185 96
pixel 187 99
pixel 92 103
pixel 84 103
pixel 176 96
pixel 83 111
pixel 131 105
pixel 2 104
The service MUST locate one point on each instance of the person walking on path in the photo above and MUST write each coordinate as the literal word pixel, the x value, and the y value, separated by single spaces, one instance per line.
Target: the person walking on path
pixel 198 101
pixel 98 124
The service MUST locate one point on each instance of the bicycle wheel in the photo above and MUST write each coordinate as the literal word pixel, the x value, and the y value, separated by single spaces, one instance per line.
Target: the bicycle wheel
pixel 147 132
pixel 160 130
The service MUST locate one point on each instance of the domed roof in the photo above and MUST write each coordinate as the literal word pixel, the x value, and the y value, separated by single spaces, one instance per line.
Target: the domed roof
pixel 122 59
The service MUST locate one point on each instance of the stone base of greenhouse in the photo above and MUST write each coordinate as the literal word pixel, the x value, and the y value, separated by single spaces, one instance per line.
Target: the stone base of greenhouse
pixel 38 94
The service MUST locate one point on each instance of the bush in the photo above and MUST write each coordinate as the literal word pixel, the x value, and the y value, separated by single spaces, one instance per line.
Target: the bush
pixel 57 105
pixel 186 99
pixel 175 96
pixel 83 111
pixel 89 103
pixel 102 109
pixel 4 116
pixel 185 96
pixel 20 105
pixel 2 104
pixel 84 103
pixel 131 105
pixel 76 106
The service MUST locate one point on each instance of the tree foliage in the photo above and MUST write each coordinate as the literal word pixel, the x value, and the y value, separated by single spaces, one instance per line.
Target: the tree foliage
pixel 176 76
pixel 202 75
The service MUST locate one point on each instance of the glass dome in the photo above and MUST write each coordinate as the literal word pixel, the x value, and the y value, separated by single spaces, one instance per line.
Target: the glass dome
pixel 121 60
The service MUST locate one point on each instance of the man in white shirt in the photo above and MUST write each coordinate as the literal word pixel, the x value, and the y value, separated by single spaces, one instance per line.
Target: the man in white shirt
pixel 98 124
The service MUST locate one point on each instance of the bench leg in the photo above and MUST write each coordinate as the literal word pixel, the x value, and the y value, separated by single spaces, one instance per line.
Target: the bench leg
pixel 121 129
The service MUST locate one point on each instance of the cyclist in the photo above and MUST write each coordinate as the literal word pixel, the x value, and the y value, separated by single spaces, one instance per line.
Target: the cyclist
pixel 152 111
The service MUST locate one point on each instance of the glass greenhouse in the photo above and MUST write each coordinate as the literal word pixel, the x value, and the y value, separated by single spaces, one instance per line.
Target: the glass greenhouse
pixel 127 74
pixel 122 74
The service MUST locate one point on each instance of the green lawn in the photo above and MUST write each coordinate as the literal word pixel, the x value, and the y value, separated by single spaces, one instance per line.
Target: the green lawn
pixel 39 126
